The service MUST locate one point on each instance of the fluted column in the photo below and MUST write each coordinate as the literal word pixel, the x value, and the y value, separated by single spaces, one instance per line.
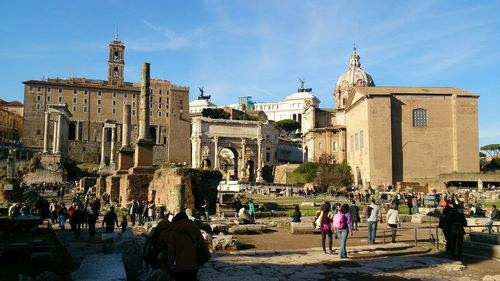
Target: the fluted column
pixel 112 148
pixel 59 132
pixel 144 104
pixel 103 146
pixel 46 133
pixel 243 160
pixel 259 160
pixel 216 149
pixel 54 137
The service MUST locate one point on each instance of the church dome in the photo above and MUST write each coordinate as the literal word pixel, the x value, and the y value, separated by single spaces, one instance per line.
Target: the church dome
pixel 355 75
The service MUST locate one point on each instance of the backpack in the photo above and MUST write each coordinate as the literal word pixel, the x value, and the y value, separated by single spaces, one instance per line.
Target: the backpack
pixel 152 255
pixel 339 221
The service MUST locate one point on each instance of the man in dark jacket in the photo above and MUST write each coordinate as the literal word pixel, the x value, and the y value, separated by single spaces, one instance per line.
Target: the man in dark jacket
pixel 187 249
pixel 110 219
pixel 354 211
pixel 456 222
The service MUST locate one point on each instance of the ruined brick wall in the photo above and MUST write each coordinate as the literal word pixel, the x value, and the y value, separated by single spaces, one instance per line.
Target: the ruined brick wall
pixel 113 188
pixel 134 187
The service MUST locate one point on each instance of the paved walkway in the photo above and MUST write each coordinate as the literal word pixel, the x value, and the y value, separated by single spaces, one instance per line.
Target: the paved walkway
pixel 375 262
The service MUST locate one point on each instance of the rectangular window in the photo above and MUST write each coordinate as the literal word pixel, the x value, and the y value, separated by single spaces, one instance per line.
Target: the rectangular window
pixel 320 146
pixel 114 111
pixel 38 106
pixel 133 104
pixel 334 146
pixel 99 110
pixel 60 90
pixel 85 101
pixel 113 94
pixel 75 91
pixel 74 108
pixel 74 100
pixel 125 95
pixel 99 93
pixel 133 112
pixel 159 106
pixel 98 102
pixel 84 109
pixel 159 100
pixel 419 118
pixel 114 102
pixel 86 92
pixel 166 114
pixel 133 96
pixel 31 89
pixel 160 91
pixel 151 113
pixel 48 98
pixel 159 113
pixel 268 156
pixel 49 89
pixel 38 98
pixel 39 89
pixel 59 99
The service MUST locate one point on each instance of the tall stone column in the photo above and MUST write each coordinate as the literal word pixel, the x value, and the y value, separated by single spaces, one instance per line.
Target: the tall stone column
pixel 144 104
pixel 46 133
pixel 216 150
pixel 103 148
pixel 243 160
pixel 59 132
pixel 259 160
pixel 54 137
pixel 112 148
pixel 77 131
pixel 126 125
pixel 158 134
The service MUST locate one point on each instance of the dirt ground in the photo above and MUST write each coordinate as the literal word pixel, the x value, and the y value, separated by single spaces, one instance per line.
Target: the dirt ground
pixel 474 267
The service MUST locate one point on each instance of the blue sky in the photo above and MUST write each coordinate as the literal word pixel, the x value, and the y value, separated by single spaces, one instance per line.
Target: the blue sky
pixel 260 48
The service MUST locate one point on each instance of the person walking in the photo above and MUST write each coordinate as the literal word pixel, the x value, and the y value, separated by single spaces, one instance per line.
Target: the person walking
pixel 393 221
pixel 139 211
pixel 187 249
pixel 110 219
pixel 132 211
pixel 373 213
pixel 343 226
pixel 354 211
pixel 456 223
pixel 77 218
pixel 92 219
pixel 296 214
pixel 62 213
pixel 326 220
pixel 53 211
pixel 251 208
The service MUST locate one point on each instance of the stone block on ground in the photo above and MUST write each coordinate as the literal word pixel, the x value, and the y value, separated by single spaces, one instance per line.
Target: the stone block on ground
pixel 482 249
pixel 307 204
pixel 101 267
pixel 302 228
pixel 423 219
pixel 224 242
pixel 247 229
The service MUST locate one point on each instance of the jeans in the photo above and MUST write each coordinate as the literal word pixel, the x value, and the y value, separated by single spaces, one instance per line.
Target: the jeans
pixel 141 219
pixel 62 220
pixel 372 232
pixel 323 238
pixel 342 233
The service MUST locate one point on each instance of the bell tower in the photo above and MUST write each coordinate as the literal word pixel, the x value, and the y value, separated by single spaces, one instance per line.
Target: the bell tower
pixel 116 62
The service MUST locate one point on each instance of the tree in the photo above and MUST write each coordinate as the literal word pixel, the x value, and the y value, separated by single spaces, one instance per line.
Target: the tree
pixel 493 150
pixel 332 174
pixel 286 126
pixel 215 113
pixel 246 116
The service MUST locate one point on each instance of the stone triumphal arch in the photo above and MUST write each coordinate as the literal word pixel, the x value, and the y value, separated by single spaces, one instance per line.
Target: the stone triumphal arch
pixel 239 149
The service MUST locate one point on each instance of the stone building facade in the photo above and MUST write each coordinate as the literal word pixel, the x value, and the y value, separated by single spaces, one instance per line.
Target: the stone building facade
pixel 92 102
pixel 394 134
pixel 239 149
pixel 11 126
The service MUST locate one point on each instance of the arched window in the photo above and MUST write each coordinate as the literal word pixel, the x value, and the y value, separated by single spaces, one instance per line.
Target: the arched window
pixel 420 118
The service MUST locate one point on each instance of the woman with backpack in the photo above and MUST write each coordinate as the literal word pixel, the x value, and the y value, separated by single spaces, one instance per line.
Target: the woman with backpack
pixel 343 226
pixel 326 219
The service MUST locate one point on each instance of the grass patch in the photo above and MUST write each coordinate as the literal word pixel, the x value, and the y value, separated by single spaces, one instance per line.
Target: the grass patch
pixel 86 166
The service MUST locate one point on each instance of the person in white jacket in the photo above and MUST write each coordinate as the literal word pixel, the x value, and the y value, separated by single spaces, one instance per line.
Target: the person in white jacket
pixel 393 221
